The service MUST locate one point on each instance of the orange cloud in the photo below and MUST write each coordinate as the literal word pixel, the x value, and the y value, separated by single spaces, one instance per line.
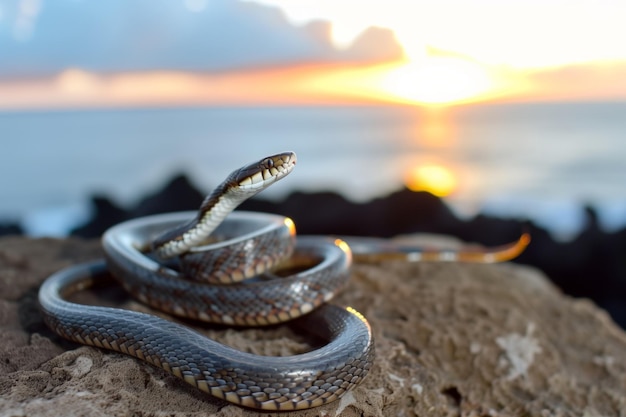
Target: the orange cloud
pixel 592 81
pixel 76 88
pixel 443 80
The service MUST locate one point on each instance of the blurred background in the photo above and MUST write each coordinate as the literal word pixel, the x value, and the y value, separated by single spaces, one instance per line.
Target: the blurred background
pixel 505 109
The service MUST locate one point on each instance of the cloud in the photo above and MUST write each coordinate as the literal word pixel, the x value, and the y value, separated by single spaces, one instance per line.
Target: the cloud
pixel 603 80
pixel 375 44
pixel 41 38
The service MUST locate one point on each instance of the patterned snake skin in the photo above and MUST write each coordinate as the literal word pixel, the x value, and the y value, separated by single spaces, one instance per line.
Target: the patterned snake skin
pixel 261 382
pixel 186 287
pixel 170 263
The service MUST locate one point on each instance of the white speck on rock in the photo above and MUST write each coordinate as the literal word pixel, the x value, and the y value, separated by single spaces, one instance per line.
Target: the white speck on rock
pixel 519 351
pixel 396 378
pixel 82 365
pixel 475 348
pixel 604 361
pixel 346 400
pixel 418 388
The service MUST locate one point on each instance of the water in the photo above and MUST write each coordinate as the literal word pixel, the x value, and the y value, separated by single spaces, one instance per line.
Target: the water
pixel 541 161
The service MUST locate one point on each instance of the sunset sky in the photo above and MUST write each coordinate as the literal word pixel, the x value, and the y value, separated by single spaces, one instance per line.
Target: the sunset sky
pixel 71 53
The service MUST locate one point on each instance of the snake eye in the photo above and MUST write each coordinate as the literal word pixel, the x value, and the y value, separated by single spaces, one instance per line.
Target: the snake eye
pixel 268 163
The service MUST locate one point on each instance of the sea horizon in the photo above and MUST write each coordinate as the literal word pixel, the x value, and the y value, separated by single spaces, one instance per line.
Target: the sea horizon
pixel 541 161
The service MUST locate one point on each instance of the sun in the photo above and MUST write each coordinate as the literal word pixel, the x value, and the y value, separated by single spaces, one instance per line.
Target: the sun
pixel 437 81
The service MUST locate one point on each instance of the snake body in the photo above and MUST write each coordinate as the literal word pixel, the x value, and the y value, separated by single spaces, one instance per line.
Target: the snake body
pixel 268 383
pixel 250 304
pixel 170 263
pixel 260 382
pixel 240 185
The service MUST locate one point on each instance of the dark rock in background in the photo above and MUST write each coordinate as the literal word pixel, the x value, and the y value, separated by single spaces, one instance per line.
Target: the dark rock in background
pixel 10 229
pixel 106 215
pixel 178 195
pixel 592 265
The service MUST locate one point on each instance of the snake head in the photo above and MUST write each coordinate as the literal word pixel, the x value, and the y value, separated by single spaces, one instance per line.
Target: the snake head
pixel 258 175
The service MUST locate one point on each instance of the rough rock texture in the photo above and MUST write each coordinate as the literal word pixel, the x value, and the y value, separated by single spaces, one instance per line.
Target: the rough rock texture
pixel 451 339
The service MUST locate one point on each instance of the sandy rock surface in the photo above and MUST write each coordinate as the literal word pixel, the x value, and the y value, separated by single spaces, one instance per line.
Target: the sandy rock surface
pixel 451 340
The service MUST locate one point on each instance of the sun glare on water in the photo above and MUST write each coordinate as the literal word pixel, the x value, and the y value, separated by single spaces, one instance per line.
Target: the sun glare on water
pixel 436 179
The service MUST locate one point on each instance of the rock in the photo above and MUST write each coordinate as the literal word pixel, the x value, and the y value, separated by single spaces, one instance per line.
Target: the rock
pixel 177 195
pixel 451 339
pixel 106 214
pixel 10 229
pixel 403 211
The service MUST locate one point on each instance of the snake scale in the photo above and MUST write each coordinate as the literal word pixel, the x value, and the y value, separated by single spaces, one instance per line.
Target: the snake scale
pixel 206 265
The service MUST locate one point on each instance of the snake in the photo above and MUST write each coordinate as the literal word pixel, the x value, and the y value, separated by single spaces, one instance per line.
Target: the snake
pixel 236 268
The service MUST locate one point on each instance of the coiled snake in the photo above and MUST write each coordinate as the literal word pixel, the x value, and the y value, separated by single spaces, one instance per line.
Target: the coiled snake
pixel 203 281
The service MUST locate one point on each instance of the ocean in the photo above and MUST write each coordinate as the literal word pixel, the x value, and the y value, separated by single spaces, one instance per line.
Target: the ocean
pixel 538 161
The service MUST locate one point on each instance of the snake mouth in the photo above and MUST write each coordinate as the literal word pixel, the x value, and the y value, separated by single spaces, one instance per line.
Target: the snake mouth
pixel 261 174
